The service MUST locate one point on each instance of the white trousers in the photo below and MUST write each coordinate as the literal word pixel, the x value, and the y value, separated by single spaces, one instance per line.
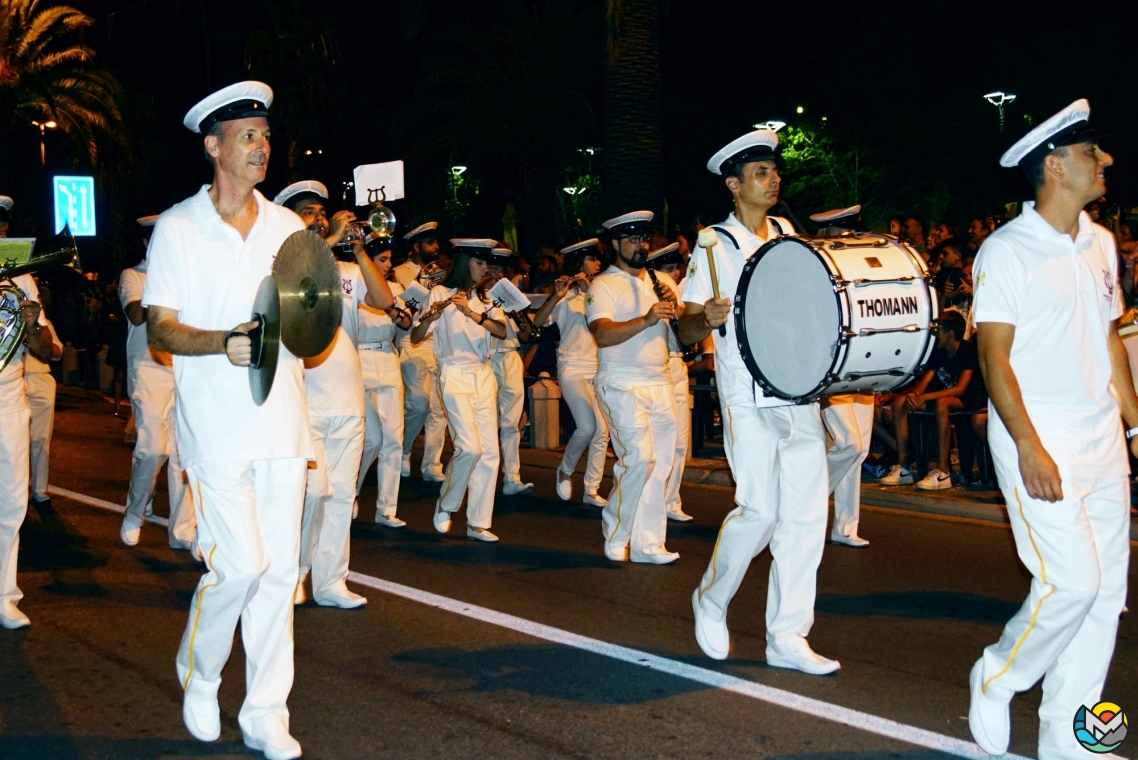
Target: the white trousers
pixel 849 421
pixel 642 422
pixel 152 401
pixel 470 395
pixel 325 538
pixel 14 468
pixel 383 442
pixel 679 372
pixel 41 400
pixel 592 431
pixel 249 532
pixel 509 374
pixel 1078 552
pixel 778 456
pixel 423 409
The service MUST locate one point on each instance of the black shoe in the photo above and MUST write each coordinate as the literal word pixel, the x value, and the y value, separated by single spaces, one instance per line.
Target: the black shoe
pixel 42 503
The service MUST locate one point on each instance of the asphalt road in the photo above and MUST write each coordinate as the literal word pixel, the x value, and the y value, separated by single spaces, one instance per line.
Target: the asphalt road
pixel 94 675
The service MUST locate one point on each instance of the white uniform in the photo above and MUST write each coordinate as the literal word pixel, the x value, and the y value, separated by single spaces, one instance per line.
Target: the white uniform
pixel 1061 296
pixel 383 385
pixel 422 406
pixel 14 460
pixel 849 421
pixel 576 370
pixel 246 463
pixel 41 401
pixel 334 386
pixel 634 388
pixel 150 375
pixel 470 394
pixel 506 364
pixel 777 453
pixel 678 371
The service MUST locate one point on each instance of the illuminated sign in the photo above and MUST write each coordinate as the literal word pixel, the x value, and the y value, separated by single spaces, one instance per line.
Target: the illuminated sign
pixel 74 205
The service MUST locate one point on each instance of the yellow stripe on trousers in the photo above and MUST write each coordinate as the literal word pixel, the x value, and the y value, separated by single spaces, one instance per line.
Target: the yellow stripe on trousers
pixel 201 593
pixel 715 551
pixel 1039 604
pixel 623 466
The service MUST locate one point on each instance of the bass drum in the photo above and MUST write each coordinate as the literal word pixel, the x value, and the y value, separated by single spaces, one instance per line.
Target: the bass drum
pixel 841 315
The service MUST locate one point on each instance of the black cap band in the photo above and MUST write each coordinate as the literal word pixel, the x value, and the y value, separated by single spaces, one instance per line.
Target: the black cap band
pixel 750 155
pixel 241 109
pixel 1079 132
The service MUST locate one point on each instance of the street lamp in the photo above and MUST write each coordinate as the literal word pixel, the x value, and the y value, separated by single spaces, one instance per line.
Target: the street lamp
pixel 772 125
pixel 800 109
pixel 999 100
pixel 456 171
pixel 43 126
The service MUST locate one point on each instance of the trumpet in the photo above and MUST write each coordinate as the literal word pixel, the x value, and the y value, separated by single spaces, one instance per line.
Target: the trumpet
pixel 11 328
pixel 690 352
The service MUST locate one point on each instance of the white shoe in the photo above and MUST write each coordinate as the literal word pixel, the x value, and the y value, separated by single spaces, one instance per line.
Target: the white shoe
pixel 565 485
pixel 595 499
pixel 679 516
pixel 405 468
pixel 434 475
pixel 355 509
pixel 480 534
pixel 797 655
pixel 658 556
pixel 339 596
pixel 441 519
pixel 713 638
pixel 391 522
pixel 196 550
pixel 897 476
pixel 130 533
pixel 935 481
pixel 510 488
pixel 201 713
pixel 277 743
pixel 989 717
pixel 855 540
pixel 11 617
pixel 616 553
pixel 298 596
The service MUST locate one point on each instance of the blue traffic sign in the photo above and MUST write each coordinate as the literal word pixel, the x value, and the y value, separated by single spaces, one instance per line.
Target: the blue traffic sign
pixel 74 205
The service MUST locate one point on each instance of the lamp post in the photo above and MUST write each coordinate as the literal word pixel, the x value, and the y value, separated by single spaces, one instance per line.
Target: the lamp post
pixel 773 125
pixel 43 126
pixel 999 100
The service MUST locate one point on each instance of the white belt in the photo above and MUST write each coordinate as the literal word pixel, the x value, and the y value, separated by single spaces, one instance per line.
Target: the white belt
pixel 676 354
pixel 503 350
pixel 376 345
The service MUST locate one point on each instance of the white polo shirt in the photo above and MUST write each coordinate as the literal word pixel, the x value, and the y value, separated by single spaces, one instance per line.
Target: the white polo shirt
pixel 378 359
pixel 1061 295
pixel 13 391
pixel 577 351
pixel 138 351
pixel 460 340
pixel 619 296
pixel 734 381
pixel 200 267
pixel 333 381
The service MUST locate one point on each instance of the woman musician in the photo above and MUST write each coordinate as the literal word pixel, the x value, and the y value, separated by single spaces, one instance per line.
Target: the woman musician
pixel 462 318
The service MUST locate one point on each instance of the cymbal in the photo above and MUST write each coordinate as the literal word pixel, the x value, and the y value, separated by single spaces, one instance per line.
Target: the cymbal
pixel 308 279
pixel 266 340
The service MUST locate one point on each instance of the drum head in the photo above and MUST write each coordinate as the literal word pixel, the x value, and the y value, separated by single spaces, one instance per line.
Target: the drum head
pixel 787 318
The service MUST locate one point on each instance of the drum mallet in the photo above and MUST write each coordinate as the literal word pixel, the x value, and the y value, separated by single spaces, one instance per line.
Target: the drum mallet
pixel 707 241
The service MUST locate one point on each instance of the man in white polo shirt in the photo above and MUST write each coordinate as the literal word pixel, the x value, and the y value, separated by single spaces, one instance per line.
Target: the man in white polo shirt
pixel 41 402
pixel 246 463
pixel 634 390
pixel 776 449
pixel 1047 301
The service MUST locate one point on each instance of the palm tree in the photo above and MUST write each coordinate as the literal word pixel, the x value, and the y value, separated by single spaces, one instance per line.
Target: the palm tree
pixel 633 170
pixel 44 76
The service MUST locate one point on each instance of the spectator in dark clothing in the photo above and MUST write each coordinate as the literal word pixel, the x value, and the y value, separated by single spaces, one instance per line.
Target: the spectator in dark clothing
pixel 949 276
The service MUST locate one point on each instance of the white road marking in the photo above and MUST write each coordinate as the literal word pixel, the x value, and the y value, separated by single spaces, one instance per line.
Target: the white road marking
pixel 778 697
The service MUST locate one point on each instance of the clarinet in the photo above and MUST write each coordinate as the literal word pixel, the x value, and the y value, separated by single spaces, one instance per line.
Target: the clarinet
pixel 690 352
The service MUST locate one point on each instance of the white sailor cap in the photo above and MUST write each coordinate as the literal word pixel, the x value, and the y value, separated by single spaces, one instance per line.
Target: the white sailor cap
pixel 479 248
pixel 147 221
pixel 759 145
pixel 669 254
pixel 237 101
pixel 6 203
pixel 835 215
pixel 501 256
pixel 1068 127
pixel 626 224
pixel 422 229
pixel 304 190
pixel 590 243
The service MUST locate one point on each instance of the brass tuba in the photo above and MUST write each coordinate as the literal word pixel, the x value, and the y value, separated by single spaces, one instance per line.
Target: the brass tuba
pixel 11 328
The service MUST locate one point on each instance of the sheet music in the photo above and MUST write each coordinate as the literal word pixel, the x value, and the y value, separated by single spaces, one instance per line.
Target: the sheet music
pixel 537 300
pixel 417 293
pixel 507 295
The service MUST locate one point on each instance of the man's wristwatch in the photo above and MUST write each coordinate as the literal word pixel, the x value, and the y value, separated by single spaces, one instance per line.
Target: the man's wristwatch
pixel 1131 433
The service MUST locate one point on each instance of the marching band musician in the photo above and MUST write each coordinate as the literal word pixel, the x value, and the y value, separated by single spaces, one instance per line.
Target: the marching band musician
pixel 506 363
pixel 334 386
pixel 634 389
pixel 150 375
pixel 462 319
pixel 422 405
pixel 383 383
pixel 577 366
pixel 667 264
pixel 246 463
pixel 15 437
pixel 775 448
pixel 41 402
